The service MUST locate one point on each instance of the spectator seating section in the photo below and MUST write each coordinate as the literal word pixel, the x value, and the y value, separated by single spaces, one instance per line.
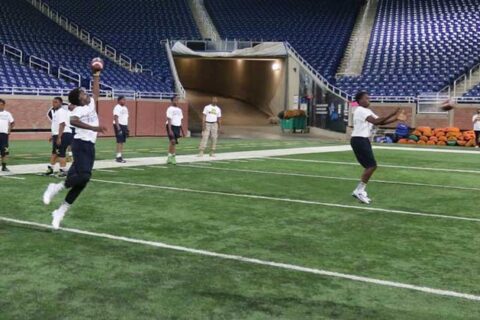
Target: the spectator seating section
pixel 24 27
pixel 135 28
pixel 15 74
pixel 318 30
pixel 419 46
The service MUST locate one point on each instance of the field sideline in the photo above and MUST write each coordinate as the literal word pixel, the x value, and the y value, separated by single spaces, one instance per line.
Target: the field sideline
pixel 254 238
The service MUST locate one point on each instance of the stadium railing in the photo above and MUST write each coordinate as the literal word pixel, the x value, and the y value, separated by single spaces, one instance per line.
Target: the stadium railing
pixel 86 36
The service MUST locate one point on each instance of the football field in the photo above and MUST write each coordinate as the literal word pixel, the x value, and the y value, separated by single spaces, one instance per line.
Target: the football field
pixel 275 237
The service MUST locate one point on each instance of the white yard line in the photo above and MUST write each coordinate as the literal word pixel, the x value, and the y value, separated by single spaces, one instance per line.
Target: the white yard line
pixel 332 178
pixel 158 167
pixel 421 149
pixel 148 161
pixel 13 177
pixel 255 261
pixel 318 203
pixel 133 169
pixel 380 165
pixel 106 170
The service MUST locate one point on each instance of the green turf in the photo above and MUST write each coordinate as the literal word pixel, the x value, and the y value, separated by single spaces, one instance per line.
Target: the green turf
pixel 59 275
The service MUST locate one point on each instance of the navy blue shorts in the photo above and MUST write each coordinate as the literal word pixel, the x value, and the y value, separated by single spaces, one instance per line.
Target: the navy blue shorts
pixel 83 157
pixel 121 134
pixel 4 144
pixel 61 150
pixel 176 134
pixel 363 152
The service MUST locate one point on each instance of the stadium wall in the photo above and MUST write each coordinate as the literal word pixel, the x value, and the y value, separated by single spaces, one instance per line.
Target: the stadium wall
pixel 147 117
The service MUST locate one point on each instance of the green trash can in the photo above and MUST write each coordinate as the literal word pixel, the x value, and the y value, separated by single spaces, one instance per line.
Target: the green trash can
pixel 294 124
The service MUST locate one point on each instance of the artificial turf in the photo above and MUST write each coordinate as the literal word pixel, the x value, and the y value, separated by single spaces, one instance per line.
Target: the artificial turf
pixel 58 275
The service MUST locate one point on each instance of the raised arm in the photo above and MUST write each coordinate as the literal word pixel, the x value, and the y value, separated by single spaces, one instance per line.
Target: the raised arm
pixel 96 86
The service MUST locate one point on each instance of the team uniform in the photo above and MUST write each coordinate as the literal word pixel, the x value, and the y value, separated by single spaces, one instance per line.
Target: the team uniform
pixel 476 128
pixel 212 114
pixel 122 113
pixel 175 115
pixel 6 119
pixel 60 116
pixel 361 134
pixel 79 174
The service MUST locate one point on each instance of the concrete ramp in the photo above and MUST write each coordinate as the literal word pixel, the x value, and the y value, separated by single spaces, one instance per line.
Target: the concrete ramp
pixel 235 112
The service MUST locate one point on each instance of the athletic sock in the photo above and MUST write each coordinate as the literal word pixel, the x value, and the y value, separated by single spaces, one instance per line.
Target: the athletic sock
pixel 119 155
pixel 170 155
pixel 69 153
pixel 64 208
pixel 361 187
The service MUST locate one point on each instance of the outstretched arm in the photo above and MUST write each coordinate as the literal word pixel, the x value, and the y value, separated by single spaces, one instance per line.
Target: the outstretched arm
pixel 390 118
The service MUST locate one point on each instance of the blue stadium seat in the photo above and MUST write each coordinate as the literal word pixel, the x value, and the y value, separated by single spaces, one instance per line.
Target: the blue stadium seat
pixel 422 44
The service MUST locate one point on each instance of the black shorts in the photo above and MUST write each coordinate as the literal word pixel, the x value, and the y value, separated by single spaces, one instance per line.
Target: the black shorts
pixel 4 144
pixel 121 134
pixel 61 150
pixel 83 157
pixel 363 151
pixel 176 134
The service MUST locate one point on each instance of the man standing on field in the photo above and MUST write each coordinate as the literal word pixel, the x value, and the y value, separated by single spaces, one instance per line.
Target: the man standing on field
pixel 120 125
pixel 211 121
pixel 6 125
pixel 174 129
pixel 61 137
pixel 363 121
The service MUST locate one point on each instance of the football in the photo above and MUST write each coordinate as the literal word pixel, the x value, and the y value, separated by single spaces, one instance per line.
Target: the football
pixel 97 64
pixel 447 105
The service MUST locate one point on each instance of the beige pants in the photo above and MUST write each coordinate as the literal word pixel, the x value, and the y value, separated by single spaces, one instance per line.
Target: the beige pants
pixel 211 130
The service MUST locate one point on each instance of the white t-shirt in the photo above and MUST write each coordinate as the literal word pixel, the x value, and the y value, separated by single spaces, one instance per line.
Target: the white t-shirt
pixel 58 117
pixel 361 127
pixel 476 124
pixel 212 113
pixel 122 113
pixel 175 115
pixel 87 114
pixel 5 120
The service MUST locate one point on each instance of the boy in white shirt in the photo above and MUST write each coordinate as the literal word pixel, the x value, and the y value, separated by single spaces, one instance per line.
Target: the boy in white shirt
pixel 85 119
pixel 363 121
pixel 211 121
pixel 476 128
pixel 120 126
pixel 61 136
pixel 6 125
pixel 174 129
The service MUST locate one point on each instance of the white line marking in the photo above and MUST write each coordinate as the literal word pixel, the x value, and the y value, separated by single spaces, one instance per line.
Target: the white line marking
pixel 106 170
pixel 12 177
pixel 133 169
pixel 380 165
pixel 158 167
pixel 326 204
pixel 333 274
pixel 149 161
pixel 421 149
pixel 332 178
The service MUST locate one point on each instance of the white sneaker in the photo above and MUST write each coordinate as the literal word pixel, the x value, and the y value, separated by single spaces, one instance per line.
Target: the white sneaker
pixel 57 216
pixel 52 190
pixel 366 196
pixel 361 196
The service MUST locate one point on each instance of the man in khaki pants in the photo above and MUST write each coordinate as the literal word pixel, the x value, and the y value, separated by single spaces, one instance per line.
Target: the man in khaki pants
pixel 211 122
